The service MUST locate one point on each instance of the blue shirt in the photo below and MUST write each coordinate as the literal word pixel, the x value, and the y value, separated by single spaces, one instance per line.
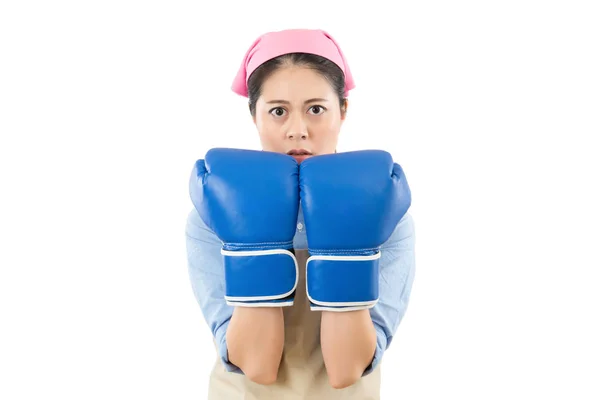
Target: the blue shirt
pixel 206 272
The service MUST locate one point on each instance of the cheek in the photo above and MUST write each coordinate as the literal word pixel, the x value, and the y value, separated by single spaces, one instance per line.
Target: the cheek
pixel 267 127
pixel 269 133
pixel 327 129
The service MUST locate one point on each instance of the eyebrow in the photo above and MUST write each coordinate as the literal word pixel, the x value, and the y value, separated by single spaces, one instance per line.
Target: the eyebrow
pixel 287 102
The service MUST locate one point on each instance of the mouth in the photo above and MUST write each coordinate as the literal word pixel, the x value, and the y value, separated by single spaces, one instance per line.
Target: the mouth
pixel 300 154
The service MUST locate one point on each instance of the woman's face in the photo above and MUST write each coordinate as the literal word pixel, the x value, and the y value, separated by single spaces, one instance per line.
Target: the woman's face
pixel 298 113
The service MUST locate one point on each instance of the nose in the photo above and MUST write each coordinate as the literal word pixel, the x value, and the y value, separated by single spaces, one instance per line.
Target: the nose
pixel 297 128
pixel 293 135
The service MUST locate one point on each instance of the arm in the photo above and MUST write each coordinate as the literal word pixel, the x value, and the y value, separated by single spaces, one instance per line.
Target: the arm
pixel 255 341
pixel 348 341
pixel 249 340
pixel 353 344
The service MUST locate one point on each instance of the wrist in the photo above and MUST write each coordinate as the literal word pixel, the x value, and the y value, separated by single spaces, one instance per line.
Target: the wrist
pixel 260 277
pixel 342 282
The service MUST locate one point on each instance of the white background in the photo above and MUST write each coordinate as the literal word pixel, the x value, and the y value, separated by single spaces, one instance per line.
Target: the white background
pixel 493 109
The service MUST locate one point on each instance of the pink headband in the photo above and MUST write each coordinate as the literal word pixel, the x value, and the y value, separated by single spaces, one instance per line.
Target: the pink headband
pixel 274 44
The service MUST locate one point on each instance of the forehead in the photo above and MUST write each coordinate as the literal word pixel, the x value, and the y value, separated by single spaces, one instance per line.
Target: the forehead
pixel 296 82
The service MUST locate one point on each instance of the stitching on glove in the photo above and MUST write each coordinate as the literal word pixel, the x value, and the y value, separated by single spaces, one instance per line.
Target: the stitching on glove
pixel 260 246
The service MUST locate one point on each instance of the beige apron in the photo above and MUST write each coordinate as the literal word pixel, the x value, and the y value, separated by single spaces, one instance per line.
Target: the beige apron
pixel 302 374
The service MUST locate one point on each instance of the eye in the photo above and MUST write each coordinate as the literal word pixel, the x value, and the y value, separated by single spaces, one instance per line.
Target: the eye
pixel 277 111
pixel 316 110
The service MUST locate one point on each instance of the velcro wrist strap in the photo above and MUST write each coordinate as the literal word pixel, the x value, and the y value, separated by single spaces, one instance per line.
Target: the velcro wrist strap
pixel 259 275
pixel 343 281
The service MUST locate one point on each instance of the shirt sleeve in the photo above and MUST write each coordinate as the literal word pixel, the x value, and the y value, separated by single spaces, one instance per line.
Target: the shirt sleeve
pixel 207 276
pixel 396 276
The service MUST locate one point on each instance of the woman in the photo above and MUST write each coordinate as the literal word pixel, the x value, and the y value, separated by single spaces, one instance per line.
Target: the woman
pixel 297 83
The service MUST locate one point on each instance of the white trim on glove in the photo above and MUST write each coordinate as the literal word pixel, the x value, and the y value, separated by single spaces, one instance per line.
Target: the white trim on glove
pixel 339 306
pixel 240 301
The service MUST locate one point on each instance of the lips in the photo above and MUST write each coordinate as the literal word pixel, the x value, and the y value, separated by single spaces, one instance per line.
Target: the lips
pixel 299 154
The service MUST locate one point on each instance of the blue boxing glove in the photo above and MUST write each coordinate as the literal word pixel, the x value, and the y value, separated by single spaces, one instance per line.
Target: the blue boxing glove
pixel 250 199
pixel 352 202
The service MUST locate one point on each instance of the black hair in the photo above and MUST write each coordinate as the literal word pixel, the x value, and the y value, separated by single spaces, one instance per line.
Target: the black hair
pixel 328 69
